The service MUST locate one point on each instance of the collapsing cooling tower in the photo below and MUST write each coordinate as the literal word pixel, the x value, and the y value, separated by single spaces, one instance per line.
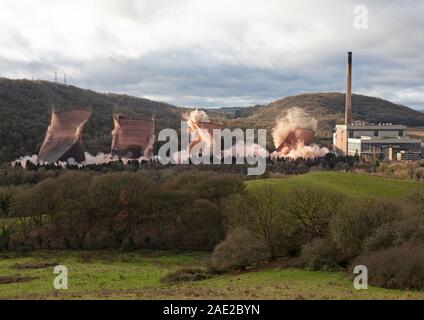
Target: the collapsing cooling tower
pixel 205 134
pixel 132 138
pixel 63 140
pixel 293 136
pixel 296 137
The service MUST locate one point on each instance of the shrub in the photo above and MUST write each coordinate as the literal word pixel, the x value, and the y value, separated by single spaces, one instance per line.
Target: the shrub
pixel 415 202
pixel 186 274
pixel 5 237
pixel 262 214
pixel 395 268
pixel 419 173
pixel 311 209
pixel 321 254
pixel 125 210
pixel 342 167
pixel 239 250
pixel 357 221
pixel 403 232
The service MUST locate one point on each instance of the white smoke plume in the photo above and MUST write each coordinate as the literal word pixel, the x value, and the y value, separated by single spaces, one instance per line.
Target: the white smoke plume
pixel 34 160
pixel 196 116
pixel 23 160
pixel 295 118
pixel 103 158
pixel 201 139
pixel 100 158
pixel 181 156
pixel 293 136
pixel 198 135
pixel 306 152
pixel 244 150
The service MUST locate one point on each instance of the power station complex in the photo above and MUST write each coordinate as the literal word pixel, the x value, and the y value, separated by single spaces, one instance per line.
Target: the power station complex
pixel 372 141
pixel 134 138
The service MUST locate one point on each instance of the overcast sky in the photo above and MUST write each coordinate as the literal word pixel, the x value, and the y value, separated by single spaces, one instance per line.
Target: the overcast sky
pixel 216 52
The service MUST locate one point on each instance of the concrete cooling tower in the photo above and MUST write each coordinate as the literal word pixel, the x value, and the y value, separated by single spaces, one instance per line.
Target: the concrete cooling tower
pixel 132 138
pixel 207 127
pixel 303 136
pixel 63 140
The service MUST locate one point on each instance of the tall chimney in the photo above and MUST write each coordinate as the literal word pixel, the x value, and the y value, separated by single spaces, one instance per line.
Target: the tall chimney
pixel 348 105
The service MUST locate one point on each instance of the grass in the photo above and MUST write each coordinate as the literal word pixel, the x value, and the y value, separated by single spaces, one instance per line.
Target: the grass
pixel 90 271
pixel 137 275
pixel 350 184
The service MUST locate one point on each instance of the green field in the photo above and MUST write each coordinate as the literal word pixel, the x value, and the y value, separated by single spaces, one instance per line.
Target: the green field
pixel 137 275
pixel 350 184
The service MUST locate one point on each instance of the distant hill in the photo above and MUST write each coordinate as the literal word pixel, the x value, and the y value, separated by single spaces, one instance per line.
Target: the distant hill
pixel 25 109
pixel 328 108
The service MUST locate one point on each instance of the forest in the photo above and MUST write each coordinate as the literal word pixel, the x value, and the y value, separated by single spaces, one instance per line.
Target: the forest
pixel 168 209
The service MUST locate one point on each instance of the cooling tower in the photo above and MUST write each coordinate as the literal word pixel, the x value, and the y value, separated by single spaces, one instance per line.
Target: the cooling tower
pixel 63 139
pixel 132 138
pixel 208 127
pixel 304 136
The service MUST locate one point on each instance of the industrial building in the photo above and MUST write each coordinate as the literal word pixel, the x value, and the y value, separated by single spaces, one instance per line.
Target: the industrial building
pixel 372 141
pixel 133 138
pixel 63 139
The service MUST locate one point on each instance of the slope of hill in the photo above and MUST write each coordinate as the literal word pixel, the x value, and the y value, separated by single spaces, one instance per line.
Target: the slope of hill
pixel 25 108
pixel 349 184
pixel 139 274
pixel 328 108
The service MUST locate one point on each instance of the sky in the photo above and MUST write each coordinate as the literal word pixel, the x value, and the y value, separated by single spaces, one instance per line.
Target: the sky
pixel 217 53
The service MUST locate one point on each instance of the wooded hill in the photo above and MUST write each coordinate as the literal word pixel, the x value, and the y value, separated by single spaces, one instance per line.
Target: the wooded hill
pixel 25 110
pixel 328 108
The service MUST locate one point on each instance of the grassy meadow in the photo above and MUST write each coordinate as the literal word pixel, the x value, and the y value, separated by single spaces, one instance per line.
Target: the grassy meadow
pixel 137 275
pixel 355 185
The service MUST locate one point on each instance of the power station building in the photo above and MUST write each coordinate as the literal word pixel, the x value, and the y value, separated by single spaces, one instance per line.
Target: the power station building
pixel 372 141
pixel 64 137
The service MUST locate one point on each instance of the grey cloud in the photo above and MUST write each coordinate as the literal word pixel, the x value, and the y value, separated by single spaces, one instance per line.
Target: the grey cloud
pixel 387 60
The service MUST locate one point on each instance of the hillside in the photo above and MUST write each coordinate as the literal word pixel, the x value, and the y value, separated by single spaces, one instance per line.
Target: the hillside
pixel 349 184
pixel 328 108
pixel 139 274
pixel 25 108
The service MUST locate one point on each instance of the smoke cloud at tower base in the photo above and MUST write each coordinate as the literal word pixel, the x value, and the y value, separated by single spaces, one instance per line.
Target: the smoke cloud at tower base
pixel 293 135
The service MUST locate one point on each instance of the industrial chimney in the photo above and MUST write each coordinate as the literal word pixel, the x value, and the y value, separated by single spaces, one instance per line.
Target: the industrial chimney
pixel 348 105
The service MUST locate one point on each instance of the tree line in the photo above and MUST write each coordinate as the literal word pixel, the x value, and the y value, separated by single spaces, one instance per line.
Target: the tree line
pixel 320 230
pixel 196 208
pixel 80 210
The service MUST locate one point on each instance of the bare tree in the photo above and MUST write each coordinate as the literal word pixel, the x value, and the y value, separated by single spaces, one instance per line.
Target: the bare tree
pixel 312 209
pixel 261 212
